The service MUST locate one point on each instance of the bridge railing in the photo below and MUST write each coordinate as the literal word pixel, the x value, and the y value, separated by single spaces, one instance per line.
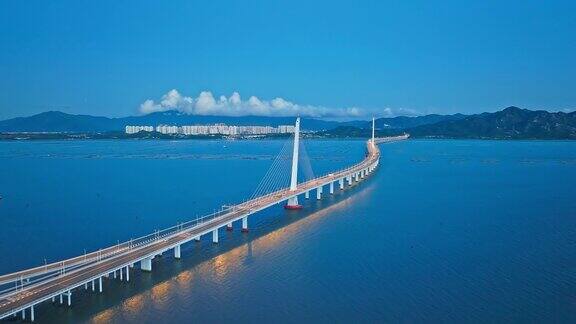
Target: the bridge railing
pixel 15 282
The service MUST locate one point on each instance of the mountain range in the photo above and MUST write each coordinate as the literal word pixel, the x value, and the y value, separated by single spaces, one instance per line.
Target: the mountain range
pixel 56 121
pixel 509 123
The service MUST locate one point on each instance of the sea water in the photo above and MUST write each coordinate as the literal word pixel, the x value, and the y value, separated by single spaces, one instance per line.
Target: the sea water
pixel 443 231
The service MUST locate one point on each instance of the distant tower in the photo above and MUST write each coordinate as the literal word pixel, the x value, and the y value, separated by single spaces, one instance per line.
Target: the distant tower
pixel 293 201
pixel 373 131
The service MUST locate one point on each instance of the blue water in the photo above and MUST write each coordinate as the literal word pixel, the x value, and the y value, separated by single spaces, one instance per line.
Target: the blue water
pixel 445 231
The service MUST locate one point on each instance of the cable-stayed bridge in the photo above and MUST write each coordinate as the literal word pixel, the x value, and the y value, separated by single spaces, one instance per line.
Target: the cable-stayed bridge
pixel 22 290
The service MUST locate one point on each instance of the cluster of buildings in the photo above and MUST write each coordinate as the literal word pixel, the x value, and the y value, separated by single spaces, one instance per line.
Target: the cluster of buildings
pixel 137 129
pixel 218 129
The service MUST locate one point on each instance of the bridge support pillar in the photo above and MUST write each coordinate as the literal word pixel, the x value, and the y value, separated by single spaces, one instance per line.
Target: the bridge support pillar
pixel 319 193
pixel 215 236
pixel 24 314
pixel 61 301
pixel 177 252
pixel 69 294
pixel 93 285
pixel 245 224
pixel 127 273
pixel 114 274
pixel 32 313
pixel 53 298
pixel 86 286
pixel 362 174
pixel 349 179
pixel 100 284
pixel 197 238
pixel 341 183
pixel 146 264
pixel 229 227
pixel 332 187
pixel 307 195
pixel 293 203
pixel 121 274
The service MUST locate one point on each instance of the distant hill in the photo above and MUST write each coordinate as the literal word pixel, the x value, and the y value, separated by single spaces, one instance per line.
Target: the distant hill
pixel 55 121
pixel 510 123
pixel 404 122
pixel 353 131
pixel 399 123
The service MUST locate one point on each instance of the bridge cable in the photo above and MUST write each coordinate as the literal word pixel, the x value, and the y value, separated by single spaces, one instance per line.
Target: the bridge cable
pixel 304 161
pixel 276 175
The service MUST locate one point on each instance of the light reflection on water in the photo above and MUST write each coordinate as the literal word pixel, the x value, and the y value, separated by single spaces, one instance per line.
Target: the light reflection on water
pixel 222 265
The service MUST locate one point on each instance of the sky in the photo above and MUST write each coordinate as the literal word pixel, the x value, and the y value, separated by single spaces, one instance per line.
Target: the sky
pixel 330 59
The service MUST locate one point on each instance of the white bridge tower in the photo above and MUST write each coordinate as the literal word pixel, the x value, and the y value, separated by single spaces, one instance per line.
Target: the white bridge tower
pixel 293 201
pixel 373 131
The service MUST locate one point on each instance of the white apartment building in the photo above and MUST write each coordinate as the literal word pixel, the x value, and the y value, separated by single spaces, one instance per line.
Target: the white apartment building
pixel 283 129
pixel 167 129
pixel 137 129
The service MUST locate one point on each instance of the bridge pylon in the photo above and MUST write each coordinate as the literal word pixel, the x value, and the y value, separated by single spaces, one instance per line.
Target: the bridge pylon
pixel 293 201
pixel 373 128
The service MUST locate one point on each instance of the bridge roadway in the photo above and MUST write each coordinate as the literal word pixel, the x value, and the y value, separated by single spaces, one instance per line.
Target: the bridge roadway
pixel 126 256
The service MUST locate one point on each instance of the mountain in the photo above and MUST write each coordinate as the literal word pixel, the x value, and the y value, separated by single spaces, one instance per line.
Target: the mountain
pixel 55 121
pixel 510 123
pixel 352 131
pixel 404 122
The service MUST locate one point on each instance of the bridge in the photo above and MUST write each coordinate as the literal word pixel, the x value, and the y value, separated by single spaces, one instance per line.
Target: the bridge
pixel 24 289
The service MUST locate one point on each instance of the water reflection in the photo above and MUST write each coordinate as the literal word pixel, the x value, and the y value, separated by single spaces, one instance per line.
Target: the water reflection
pixel 184 279
pixel 133 304
pixel 223 265
pixel 104 316
pixel 160 292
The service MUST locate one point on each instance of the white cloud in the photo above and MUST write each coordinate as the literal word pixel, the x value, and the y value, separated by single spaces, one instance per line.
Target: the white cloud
pixel 235 99
pixel 206 104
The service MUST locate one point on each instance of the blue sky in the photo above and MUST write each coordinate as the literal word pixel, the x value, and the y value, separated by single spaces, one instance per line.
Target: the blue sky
pixel 325 58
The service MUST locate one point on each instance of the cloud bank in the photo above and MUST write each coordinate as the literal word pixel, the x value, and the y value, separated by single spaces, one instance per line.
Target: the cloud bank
pixel 206 104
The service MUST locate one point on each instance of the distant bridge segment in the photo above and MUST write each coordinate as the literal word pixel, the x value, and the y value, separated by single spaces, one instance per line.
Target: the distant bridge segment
pixel 24 289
